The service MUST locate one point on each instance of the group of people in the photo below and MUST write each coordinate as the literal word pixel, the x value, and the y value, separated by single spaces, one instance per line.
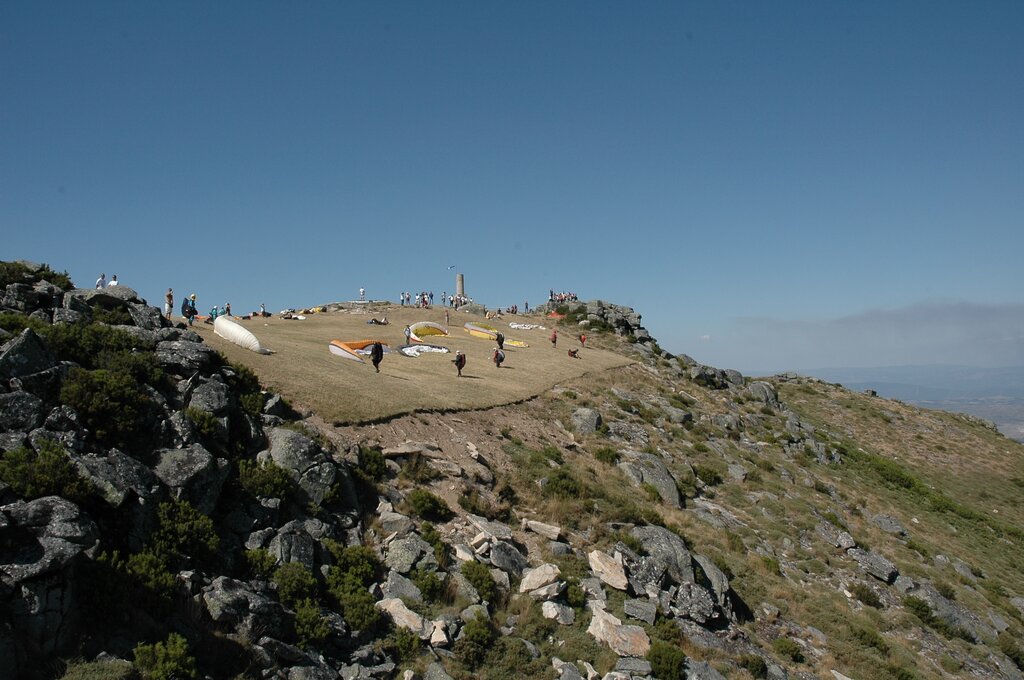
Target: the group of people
pixel 423 299
pixel 103 283
pixel 561 297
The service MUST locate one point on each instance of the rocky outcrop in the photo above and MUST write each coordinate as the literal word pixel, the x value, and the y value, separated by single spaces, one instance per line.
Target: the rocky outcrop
pixel 304 460
pixel 193 474
pixel 646 468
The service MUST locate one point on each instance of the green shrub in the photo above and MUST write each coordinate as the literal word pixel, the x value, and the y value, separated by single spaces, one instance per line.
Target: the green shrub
pixel 652 492
pixel 477 637
pixel 424 504
pixel 562 484
pixel 403 644
pixel 428 583
pixel 866 595
pixel 183 534
pixel 116 411
pixel 607 455
pixel 16 272
pixel 206 423
pixel 115 316
pixel 168 660
pixel 771 565
pixel 869 637
pixel 479 576
pixel 15 323
pixel 631 542
pixel 753 664
pixel 1008 644
pixel 115 669
pixel 442 551
pixel 310 625
pixel 294 584
pixel 668 662
pixel 49 472
pixel 785 647
pixel 149 572
pixel 416 469
pixel 708 474
pixel 356 568
pixel 575 596
pixel 261 563
pixel 372 465
pixel 946 590
pixel 265 480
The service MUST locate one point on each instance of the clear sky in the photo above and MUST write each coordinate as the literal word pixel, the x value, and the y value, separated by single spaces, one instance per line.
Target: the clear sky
pixel 773 185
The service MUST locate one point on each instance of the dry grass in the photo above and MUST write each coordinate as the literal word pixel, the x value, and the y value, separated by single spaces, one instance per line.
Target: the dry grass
pixel 344 391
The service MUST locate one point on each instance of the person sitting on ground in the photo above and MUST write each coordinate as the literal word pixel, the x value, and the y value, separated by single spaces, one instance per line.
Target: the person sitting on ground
pixel 574 353
pixel 113 281
pixel 498 357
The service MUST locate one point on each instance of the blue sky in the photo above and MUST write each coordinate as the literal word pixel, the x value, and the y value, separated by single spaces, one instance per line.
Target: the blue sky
pixel 773 185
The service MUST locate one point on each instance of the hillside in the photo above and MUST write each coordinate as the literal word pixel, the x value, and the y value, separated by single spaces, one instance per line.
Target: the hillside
pixel 627 514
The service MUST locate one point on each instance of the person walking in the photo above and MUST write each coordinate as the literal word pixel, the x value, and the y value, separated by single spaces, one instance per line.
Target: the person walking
pixel 446 317
pixel 408 334
pixel 500 339
pixel 102 281
pixel 497 357
pixel 583 339
pixel 376 355
pixel 169 303
pixel 459 361
pixel 554 338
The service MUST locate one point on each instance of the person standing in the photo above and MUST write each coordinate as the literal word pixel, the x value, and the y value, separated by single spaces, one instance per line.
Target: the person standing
pixel 554 338
pixel 376 355
pixel 500 339
pixel 168 303
pixel 408 334
pixel 362 294
pixel 227 309
pixel 446 316
pixel 102 281
pixel 583 339
pixel 263 310
pixel 459 361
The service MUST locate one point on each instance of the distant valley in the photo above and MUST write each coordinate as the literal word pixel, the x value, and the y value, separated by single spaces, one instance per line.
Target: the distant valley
pixel 996 394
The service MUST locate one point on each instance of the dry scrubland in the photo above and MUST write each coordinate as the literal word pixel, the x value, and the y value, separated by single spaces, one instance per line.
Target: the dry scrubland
pixel 344 391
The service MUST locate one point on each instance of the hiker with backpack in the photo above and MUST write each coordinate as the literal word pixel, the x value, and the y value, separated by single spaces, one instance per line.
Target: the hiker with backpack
pixel 188 309
pixel 500 339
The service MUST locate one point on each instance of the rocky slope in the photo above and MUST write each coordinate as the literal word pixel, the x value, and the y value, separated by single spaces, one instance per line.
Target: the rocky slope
pixel 161 515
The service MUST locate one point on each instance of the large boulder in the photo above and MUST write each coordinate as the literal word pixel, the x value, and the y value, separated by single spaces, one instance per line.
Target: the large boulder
pixel 403 617
pixel 717 581
pixel 506 557
pixel 874 564
pixel 624 640
pixel 145 316
pixel 193 474
pixel 667 547
pixel 609 569
pixel 764 393
pixel 24 355
pixel 544 575
pixel 117 476
pixel 586 420
pixel 403 554
pixel 304 461
pixel 183 357
pixel 20 411
pixel 44 536
pixel 234 603
pixel 646 468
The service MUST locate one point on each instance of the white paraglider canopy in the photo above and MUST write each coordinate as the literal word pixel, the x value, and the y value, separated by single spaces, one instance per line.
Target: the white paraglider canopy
pixel 236 333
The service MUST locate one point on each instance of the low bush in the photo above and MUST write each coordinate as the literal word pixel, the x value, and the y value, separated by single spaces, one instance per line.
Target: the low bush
pixel 114 669
pixel 786 648
pixel 477 637
pixel 429 584
pixel 49 472
pixel 866 595
pixel 355 569
pixel 607 455
pixel 480 578
pixel 168 660
pixel 668 662
pixel 310 625
pixel 416 469
pixel 112 406
pixel 294 584
pixel 563 484
pixel 1009 645
pixel 403 644
pixel 441 549
pixel 424 504
pixel 261 563
pixel 707 474
pixel 869 637
pixel 265 480
pixel 753 664
pixel 183 535
pixel 372 466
